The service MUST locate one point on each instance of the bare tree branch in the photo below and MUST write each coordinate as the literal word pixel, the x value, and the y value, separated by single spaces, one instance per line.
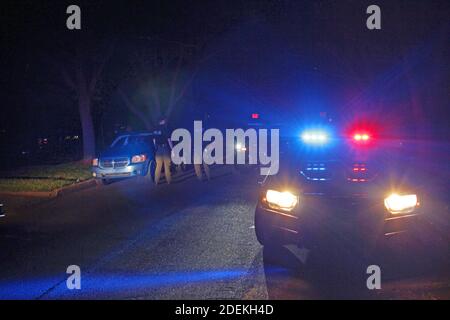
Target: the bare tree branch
pixel 175 76
pixel 99 69
pixel 158 38
pixel 66 77
pixel 135 110
pixel 182 93
pixel 186 86
pixel 156 99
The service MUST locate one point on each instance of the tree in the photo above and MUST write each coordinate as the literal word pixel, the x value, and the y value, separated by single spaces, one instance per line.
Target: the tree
pixel 81 72
pixel 158 79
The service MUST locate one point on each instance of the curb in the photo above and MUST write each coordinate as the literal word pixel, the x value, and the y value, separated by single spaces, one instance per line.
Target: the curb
pixel 55 193
pixel 76 187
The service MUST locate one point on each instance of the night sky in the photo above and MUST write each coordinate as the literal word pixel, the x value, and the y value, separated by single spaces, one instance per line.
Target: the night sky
pixel 283 59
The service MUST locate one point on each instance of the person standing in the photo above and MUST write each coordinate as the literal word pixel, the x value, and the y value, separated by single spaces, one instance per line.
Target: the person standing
pixel 199 158
pixel 198 171
pixel 163 151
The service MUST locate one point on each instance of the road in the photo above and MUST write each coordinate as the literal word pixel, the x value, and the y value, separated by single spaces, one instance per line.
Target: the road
pixel 191 240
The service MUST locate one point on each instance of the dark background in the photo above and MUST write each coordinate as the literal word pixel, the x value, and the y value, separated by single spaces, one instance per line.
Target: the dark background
pixel 282 59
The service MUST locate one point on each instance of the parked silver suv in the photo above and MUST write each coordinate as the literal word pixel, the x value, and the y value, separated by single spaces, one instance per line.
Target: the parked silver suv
pixel 130 155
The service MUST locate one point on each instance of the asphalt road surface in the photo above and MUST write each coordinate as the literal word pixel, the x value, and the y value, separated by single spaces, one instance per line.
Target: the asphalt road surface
pixel 193 240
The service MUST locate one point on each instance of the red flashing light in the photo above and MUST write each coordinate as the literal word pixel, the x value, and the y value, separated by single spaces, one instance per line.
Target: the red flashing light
pixel 255 115
pixel 357 180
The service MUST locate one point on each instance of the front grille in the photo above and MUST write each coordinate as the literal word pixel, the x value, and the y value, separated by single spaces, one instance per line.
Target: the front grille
pixel 359 172
pixel 106 163
pixel 117 174
pixel 317 171
pixel 332 170
pixel 337 205
pixel 114 162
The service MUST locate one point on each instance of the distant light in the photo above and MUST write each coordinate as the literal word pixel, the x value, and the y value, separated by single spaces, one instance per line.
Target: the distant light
pixel 255 115
pixel 240 147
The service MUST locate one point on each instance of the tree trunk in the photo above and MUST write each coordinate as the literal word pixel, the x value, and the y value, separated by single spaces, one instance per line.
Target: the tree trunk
pixel 87 127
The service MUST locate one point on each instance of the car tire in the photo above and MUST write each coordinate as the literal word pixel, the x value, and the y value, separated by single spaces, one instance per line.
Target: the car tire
pixel 263 234
pixel 105 181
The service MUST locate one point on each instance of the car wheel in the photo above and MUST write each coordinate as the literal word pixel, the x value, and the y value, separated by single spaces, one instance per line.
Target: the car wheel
pixel 261 233
pixel 105 181
pixel 264 236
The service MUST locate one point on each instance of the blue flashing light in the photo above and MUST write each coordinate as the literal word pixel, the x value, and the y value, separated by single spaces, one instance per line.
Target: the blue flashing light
pixel 317 137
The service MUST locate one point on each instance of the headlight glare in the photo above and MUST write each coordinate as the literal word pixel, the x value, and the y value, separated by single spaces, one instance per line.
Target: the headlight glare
pixel 138 158
pixel 400 204
pixel 281 200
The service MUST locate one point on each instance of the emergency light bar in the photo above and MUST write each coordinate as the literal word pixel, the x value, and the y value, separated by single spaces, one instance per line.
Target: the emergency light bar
pixel 361 137
pixel 315 137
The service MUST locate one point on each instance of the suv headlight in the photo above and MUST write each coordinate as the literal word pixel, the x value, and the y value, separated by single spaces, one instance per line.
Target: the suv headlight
pixel 400 204
pixel 281 200
pixel 138 158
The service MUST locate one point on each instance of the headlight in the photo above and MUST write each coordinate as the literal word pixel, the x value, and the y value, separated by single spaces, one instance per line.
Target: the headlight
pixel 95 162
pixel 281 200
pixel 138 158
pixel 398 204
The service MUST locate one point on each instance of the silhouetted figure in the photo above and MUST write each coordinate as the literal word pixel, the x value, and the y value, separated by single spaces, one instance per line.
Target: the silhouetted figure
pixel 163 150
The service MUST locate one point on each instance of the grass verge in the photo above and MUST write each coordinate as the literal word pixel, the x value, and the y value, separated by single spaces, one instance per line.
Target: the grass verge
pixel 43 178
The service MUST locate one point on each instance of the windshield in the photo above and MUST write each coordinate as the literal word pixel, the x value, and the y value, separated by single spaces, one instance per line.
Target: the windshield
pixel 133 140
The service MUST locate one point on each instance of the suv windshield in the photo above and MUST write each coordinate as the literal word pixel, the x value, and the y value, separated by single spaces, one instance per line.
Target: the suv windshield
pixel 133 140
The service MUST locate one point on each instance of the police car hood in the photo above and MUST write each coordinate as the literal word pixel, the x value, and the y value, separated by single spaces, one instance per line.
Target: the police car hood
pixel 342 177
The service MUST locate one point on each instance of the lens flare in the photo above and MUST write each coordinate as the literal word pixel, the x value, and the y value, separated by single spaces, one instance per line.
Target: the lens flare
pixel 397 204
pixel 283 200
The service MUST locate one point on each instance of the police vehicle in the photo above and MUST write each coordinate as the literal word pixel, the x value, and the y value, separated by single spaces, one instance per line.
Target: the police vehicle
pixel 341 184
